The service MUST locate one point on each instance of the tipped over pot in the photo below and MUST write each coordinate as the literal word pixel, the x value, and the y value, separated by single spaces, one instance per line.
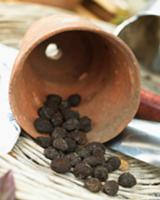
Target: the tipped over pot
pixel 66 54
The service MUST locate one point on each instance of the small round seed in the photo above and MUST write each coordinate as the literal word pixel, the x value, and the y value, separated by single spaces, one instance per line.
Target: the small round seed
pixel 95 145
pixel 57 119
pixel 45 112
pixel 70 114
pixel 127 180
pixel 83 152
pixel 51 153
pixel 44 141
pixel 92 161
pixel 43 125
pixel 52 104
pixel 71 124
pixel 61 165
pixel 64 105
pixel 74 159
pixel 111 188
pixel 78 136
pixel 71 145
pixel 85 124
pixel 93 184
pixel 124 165
pixel 113 164
pixel 82 170
pixel 59 133
pixel 98 152
pixel 101 173
pixel 60 144
pixel 54 98
pixel 74 99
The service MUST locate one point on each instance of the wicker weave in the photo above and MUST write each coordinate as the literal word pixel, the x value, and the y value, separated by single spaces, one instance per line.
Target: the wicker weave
pixel 34 179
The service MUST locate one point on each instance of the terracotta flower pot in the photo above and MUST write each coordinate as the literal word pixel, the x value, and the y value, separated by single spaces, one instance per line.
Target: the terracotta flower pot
pixel 91 62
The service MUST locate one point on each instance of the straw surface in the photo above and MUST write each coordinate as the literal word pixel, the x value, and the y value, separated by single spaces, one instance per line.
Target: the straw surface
pixel 36 181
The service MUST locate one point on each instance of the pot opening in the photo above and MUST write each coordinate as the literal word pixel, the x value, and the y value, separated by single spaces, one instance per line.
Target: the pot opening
pixel 96 66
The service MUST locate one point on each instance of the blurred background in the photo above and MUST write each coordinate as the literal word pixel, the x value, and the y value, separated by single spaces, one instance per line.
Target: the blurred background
pixel 113 11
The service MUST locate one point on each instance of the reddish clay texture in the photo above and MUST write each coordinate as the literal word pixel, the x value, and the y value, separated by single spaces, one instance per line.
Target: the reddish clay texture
pixel 94 64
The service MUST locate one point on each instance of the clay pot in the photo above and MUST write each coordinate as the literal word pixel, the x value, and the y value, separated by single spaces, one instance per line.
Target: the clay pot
pixel 93 63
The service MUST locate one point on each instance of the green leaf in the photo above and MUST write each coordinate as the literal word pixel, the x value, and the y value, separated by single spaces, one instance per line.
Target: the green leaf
pixel 7 187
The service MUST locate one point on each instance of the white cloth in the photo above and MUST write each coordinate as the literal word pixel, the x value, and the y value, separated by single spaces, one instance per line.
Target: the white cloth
pixel 9 129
